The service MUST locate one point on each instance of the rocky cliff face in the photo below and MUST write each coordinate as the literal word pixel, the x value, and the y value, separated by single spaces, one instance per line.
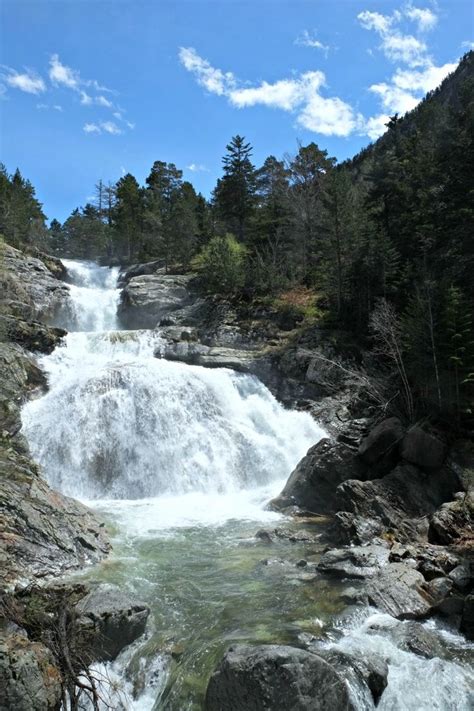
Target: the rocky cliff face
pixel 41 532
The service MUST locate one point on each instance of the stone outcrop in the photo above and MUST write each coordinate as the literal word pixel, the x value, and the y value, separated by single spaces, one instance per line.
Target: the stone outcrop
pixel 147 299
pixel 30 291
pixel 114 619
pixel 422 449
pixel 275 678
pixel 355 561
pixel 29 679
pixel 453 522
pixel 42 532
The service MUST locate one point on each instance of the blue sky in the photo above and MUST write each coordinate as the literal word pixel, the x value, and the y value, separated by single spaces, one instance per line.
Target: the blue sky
pixel 91 89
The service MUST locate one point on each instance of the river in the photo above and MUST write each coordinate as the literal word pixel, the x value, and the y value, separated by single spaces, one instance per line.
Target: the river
pixel 181 461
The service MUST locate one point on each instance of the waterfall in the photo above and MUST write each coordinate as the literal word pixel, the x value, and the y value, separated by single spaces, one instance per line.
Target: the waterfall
pixel 118 423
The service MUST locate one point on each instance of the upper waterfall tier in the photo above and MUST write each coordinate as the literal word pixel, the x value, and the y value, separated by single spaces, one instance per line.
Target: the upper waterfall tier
pixel 94 296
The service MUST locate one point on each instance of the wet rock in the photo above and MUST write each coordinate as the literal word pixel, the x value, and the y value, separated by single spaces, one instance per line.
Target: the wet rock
pixel 275 678
pixel 116 619
pixel 467 619
pixel 453 521
pixel 29 680
pixel 382 441
pixel 354 562
pixel 20 374
pixel 312 485
pixel 42 531
pixel 148 298
pixel 411 636
pixel 372 671
pixel 350 528
pixel 242 361
pixel 399 590
pixel 422 449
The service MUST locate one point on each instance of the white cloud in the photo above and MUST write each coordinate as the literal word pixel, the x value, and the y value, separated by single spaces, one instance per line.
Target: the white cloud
pixel 57 107
pixel 91 128
pixel 130 125
pixel 424 80
pixel 60 74
pixel 424 17
pixel 197 168
pixel 214 80
pixel 27 81
pixel 42 106
pixel 468 44
pixel 376 126
pixel 306 39
pixel 299 95
pixel 85 98
pixel 102 101
pixel 110 127
pixel 396 45
pixel 394 99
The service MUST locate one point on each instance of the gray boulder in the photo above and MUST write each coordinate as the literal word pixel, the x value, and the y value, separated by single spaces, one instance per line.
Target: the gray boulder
pixel 453 521
pixel 275 678
pixel 467 618
pixel 400 591
pixel 422 449
pixel 354 562
pixel 115 619
pixel 313 484
pixel 370 671
pixel 29 681
pixel 148 298
pixel 382 442
pixel 411 636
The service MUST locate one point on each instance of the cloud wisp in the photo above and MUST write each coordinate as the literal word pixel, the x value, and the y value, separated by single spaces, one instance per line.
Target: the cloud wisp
pixel 28 81
pixel 300 96
pixel 309 39
pixel 417 75
pixel 109 127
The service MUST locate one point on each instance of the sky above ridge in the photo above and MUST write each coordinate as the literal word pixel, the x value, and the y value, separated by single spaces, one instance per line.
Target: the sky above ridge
pixel 93 89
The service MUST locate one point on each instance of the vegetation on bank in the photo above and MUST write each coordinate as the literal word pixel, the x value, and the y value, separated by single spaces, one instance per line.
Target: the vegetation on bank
pixel 381 246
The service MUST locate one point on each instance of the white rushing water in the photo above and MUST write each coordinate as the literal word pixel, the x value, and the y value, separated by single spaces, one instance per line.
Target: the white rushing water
pixel 118 423
pixel 183 460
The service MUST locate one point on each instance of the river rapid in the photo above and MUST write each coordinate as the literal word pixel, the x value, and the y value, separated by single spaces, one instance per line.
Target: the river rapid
pixel 181 461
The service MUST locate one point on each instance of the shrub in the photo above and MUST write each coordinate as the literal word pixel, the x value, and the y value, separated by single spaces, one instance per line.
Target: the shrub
pixel 222 265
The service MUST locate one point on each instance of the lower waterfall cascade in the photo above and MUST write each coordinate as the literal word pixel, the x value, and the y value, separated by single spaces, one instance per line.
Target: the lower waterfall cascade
pixel 181 461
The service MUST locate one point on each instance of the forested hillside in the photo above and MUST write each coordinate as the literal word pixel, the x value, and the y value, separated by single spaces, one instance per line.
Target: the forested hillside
pixel 382 245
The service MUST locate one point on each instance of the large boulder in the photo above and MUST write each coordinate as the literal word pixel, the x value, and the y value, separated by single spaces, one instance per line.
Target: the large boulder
pixel 29 289
pixel 422 449
pixel 453 522
pixel 20 374
pixel 312 485
pixel 355 561
pixel 115 619
pixel 275 678
pixel 382 442
pixel 29 680
pixel 400 501
pixel 135 270
pixel 400 591
pixel 42 532
pixel 147 299
pixel 368 671
pixel 32 335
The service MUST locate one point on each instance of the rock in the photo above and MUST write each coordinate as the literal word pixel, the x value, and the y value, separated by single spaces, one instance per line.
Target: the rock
pixel 462 575
pixel 355 562
pixel 453 522
pixel 411 636
pixel 275 678
pixel 116 618
pixel 146 299
pixel 422 449
pixel 350 528
pixel 370 670
pixel 401 501
pixel 467 619
pixel 139 270
pixel 439 589
pixel 210 357
pixel 29 680
pixel 399 590
pixel 29 290
pixel 42 532
pixel 460 460
pixel 312 485
pixel 20 374
pixel 32 335
pixel 382 441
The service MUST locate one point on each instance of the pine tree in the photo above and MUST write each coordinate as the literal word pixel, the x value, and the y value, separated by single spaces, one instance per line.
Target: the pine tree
pixel 234 195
